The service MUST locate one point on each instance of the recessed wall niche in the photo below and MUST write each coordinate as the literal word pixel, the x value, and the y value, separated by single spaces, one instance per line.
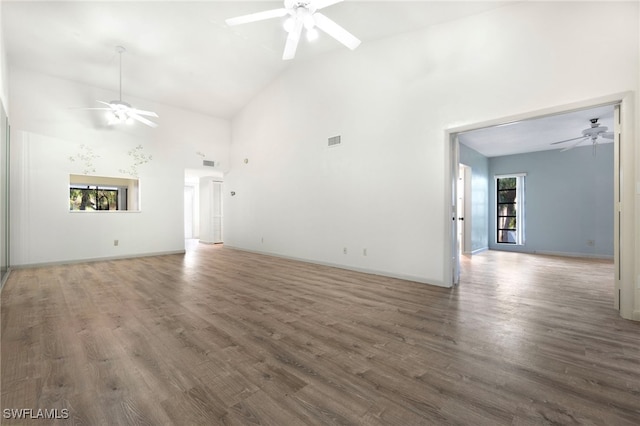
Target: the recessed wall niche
pixel 100 193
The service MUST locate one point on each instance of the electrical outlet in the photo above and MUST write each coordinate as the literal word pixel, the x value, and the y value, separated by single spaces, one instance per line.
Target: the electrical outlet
pixel 116 242
pixel 344 250
pixel 591 243
pixel 638 283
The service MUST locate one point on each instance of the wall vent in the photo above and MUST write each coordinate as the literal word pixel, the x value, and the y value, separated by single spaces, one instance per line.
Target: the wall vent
pixel 335 140
pixel 208 163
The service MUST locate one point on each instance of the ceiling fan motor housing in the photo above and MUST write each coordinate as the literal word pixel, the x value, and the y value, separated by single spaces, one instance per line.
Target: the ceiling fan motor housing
pixel 594 130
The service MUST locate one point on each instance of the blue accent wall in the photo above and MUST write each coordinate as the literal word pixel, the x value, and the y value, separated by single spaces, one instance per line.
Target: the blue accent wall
pixel 568 200
pixel 479 196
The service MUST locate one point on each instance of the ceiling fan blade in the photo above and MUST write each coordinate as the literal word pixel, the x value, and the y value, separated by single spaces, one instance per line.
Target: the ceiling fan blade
pixel 142 112
pixel 106 103
pixel 292 41
pixel 142 119
pixel 336 31
pixel 321 4
pixel 574 145
pixel 568 140
pixel 607 135
pixel 259 16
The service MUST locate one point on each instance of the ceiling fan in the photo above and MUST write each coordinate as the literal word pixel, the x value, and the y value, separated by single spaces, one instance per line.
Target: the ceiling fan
pixel 120 111
pixel 302 15
pixel 594 132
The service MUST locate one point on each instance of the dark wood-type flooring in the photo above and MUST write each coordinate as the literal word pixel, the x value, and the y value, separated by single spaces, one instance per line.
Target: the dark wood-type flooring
pixel 220 336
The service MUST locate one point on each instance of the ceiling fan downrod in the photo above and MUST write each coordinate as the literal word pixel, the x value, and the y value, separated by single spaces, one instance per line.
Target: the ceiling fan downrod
pixel 120 50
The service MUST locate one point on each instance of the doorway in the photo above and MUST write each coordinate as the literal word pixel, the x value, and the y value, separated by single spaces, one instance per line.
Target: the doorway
pixel 189 209
pixel 452 269
pixel 203 210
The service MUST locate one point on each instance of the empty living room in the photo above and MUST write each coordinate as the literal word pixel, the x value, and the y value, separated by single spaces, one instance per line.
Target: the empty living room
pixel 310 212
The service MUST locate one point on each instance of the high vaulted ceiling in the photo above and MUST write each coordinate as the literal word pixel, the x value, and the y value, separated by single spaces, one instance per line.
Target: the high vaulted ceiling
pixel 181 53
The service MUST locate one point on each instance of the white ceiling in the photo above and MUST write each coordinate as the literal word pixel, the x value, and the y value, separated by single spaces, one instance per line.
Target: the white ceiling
pixel 181 53
pixel 537 134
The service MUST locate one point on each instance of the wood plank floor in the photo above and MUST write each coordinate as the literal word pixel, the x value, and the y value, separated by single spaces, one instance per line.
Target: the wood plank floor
pixel 220 336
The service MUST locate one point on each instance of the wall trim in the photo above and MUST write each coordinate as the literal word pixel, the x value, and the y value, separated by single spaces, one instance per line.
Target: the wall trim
pixel 404 277
pixel 560 254
pixel 96 259
pixel 480 250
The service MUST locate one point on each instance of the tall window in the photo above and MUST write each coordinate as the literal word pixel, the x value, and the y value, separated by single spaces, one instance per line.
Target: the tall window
pixel 510 209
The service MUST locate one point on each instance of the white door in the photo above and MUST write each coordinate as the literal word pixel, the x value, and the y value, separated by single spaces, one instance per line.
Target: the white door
pixel 453 211
pixel 464 209
pixel 216 212
pixel 460 207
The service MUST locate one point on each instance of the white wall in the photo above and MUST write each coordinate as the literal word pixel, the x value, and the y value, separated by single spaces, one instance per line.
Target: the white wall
pixel 4 86
pixel 392 100
pixel 47 130
pixel 636 313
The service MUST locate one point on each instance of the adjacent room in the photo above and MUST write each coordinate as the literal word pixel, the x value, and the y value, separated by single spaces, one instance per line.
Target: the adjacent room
pixel 544 185
pixel 320 212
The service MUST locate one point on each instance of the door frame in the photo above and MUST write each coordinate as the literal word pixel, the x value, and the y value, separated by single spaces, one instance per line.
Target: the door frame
pixel 624 242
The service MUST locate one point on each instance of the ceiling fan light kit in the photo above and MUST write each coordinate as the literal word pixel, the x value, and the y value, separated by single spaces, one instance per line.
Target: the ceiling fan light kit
pixel 118 113
pixel 122 112
pixel 303 15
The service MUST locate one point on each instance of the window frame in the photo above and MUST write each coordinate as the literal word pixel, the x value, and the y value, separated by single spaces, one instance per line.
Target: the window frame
pixel 99 191
pixel 520 209
pixel 127 192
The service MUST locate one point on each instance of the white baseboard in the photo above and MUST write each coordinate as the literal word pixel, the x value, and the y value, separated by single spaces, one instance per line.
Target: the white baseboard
pixel 567 254
pixel 94 259
pixel 480 250
pixel 405 277
pixel 636 315
pixel 557 253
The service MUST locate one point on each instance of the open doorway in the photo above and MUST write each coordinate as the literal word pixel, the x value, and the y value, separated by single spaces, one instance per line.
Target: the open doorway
pixel 190 217
pixel 202 207
pixel 544 132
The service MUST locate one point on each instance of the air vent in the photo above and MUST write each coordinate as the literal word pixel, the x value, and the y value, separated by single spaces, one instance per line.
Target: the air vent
pixel 335 140
pixel 208 163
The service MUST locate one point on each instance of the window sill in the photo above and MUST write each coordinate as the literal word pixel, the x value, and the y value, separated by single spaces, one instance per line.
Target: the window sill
pixel 103 211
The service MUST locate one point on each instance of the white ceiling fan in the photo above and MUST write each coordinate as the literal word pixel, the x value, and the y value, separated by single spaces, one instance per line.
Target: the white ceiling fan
pixel 593 133
pixel 302 15
pixel 120 111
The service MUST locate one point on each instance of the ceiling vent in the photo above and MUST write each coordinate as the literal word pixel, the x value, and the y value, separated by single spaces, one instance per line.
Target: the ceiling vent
pixel 208 163
pixel 334 141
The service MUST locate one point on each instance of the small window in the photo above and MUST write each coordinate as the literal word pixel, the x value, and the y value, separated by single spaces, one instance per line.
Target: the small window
pixel 510 209
pixel 97 193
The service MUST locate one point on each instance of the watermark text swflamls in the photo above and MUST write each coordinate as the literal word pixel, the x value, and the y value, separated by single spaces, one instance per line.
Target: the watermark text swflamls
pixel 40 413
